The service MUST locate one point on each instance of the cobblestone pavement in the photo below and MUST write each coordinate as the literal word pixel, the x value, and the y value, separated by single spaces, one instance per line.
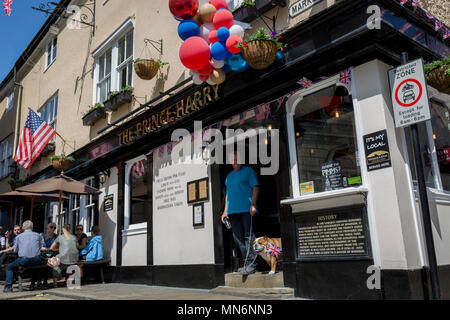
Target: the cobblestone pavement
pixel 115 291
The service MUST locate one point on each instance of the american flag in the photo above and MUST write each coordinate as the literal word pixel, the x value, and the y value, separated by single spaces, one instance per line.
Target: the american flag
pixel 273 250
pixel 35 136
pixel 305 82
pixel 437 25
pixel 345 76
pixel 138 170
pixel 402 2
pixel 7 7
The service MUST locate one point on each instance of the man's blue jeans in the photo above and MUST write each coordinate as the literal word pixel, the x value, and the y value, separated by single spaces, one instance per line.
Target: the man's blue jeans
pixel 240 227
pixel 21 261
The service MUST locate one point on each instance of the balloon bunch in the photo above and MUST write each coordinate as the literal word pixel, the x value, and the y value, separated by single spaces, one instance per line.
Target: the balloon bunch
pixel 210 38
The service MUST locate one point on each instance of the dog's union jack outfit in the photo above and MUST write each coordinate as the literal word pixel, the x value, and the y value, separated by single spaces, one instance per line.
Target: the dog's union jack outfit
pixel 273 250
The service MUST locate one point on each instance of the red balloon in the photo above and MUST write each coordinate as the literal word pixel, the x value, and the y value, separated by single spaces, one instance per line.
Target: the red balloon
pixel 231 43
pixel 195 53
pixel 203 77
pixel 206 70
pixel 219 4
pixel 183 9
pixel 213 36
pixel 223 18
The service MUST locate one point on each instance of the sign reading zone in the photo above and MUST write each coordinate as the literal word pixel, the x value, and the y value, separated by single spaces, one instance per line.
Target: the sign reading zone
pixel 409 94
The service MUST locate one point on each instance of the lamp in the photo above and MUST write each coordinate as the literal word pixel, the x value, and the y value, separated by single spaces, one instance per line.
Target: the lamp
pixel 102 176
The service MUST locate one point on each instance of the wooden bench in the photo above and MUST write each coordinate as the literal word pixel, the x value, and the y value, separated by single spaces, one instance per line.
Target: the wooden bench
pixel 100 264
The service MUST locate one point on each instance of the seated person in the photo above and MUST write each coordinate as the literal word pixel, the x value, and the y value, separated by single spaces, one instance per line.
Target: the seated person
pixel 27 245
pixel 94 248
pixel 9 244
pixel 68 252
pixel 48 240
pixel 2 240
pixel 81 237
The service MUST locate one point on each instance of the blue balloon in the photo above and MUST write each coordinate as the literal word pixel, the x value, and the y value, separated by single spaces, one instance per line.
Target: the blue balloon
pixel 237 63
pixel 219 51
pixel 223 34
pixel 188 28
pixel 280 55
pixel 226 68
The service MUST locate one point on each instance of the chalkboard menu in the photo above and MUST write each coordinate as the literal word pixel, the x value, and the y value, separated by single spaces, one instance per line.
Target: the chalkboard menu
pixel 332 175
pixel 340 233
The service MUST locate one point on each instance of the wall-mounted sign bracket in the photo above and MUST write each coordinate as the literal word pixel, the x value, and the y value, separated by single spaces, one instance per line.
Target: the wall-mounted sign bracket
pixel 158 45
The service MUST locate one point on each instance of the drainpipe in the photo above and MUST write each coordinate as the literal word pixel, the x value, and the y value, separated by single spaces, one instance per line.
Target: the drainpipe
pixel 19 111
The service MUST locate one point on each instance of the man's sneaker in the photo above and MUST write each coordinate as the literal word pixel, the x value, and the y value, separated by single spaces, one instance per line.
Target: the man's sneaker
pixel 248 270
pixel 7 289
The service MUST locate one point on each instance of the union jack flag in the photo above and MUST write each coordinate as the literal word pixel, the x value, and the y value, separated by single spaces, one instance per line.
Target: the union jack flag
pixel 437 25
pixel 150 153
pixel 280 101
pixel 35 136
pixel 169 148
pixel 259 112
pixel 345 76
pixel 415 4
pixel 7 7
pixel 305 82
pixel 446 33
pixel 138 170
pixel 242 117
pixel 429 15
pixel 402 2
pixel 273 250
pixel 161 152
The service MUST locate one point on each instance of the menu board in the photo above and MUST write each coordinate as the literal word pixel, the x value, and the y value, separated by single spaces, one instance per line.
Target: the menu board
pixel 340 233
pixel 332 175
pixel 198 191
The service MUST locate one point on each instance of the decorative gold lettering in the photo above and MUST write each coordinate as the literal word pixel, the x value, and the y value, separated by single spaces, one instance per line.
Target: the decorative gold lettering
pixel 198 101
pixel 180 108
pixel 189 104
pixel 207 94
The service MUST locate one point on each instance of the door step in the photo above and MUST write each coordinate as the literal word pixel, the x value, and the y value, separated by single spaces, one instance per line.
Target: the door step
pixel 255 293
pixel 254 280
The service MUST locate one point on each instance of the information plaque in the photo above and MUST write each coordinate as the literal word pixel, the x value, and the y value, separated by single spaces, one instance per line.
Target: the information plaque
pixel 335 234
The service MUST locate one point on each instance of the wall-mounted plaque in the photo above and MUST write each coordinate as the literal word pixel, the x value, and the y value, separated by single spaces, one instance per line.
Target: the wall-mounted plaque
pixel 108 203
pixel 198 191
pixel 198 215
pixel 334 234
pixel 192 192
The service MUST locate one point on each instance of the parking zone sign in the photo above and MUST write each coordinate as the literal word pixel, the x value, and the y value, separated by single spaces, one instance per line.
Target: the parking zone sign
pixel 409 94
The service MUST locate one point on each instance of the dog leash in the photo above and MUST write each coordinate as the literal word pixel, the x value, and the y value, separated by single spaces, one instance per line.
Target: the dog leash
pixel 249 245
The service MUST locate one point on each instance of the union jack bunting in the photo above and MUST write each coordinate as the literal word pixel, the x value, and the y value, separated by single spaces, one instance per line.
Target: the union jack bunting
pixel 446 33
pixel 242 118
pixel 345 76
pixel 35 136
pixel 405 27
pixel 280 102
pixel 402 2
pixel 138 170
pixel 305 82
pixel 429 15
pixel 437 25
pixel 169 148
pixel 7 7
pixel 259 112
pixel 415 4
pixel 161 151
pixel 273 250
pixel 150 153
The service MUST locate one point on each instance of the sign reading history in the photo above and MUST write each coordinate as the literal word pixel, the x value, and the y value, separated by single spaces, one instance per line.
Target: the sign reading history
pixel 330 234
pixel 409 94
pixel 160 119
pixel 377 151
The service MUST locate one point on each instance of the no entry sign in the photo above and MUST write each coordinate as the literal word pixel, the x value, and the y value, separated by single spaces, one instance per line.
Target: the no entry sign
pixel 409 94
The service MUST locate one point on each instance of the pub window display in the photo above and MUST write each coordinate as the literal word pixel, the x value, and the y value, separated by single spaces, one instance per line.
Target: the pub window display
pixel 328 158
pixel 140 189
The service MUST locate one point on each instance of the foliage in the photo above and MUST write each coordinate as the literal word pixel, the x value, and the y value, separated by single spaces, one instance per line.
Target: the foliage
pixel 159 62
pixel 262 35
pixel 248 4
pixel 112 94
pixel 92 108
pixel 438 63
pixel 14 181
pixel 62 157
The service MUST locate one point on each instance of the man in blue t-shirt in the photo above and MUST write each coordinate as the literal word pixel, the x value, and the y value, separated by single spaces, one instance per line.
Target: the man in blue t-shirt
pixel 242 189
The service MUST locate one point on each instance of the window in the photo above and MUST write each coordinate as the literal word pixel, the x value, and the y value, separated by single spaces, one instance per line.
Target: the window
pixel 114 66
pixel 325 141
pixel 140 185
pixel 234 4
pixel 5 156
pixel 75 207
pixel 49 111
pixel 50 52
pixel 90 207
pixel 433 134
pixel 10 101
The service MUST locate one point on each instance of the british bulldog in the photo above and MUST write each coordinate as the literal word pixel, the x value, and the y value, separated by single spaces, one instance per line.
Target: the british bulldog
pixel 270 250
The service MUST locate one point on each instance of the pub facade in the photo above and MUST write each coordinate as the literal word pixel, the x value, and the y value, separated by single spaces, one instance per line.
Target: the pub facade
pixel 344 193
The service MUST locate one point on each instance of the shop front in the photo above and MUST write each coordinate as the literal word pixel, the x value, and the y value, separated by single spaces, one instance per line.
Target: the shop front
pixel 336 177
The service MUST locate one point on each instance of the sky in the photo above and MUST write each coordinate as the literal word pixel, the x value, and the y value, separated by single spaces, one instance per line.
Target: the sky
pixel 18 30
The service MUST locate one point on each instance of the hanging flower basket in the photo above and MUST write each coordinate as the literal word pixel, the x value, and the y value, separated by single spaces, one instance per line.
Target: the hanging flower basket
pixel 260 54
pixel 146 69
pixel 61 162
pixel 439 78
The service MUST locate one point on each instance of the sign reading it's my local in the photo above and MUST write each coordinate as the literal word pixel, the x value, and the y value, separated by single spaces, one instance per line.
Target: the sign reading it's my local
pixel 409 94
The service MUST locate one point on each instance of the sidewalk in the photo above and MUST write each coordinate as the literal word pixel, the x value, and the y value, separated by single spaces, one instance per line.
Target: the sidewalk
pixel 116 291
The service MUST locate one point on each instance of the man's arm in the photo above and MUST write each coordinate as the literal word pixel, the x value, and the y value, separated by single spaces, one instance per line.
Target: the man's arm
pixel 224 214
pixel 254 200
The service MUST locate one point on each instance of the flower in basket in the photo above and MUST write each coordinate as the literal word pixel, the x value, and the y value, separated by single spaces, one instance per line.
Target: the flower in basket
pixel 437 64
pixel 92 108
pixel 248 4
pixel 62 157
pixel 262 35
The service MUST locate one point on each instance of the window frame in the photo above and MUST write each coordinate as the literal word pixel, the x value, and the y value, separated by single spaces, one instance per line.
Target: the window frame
pixel 5 156
pixel 10 97
pixel 291 106
pixel 54 99
pixel 51 49
pixel 112 43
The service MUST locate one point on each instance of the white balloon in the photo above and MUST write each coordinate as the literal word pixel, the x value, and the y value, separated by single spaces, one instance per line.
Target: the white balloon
pixel 196 79
pixel 205 30
pixel 210 82
pixel 202 2
pixel 218 63
pixel 237 30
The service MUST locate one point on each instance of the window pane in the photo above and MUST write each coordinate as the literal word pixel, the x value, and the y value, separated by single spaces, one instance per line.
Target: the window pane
pixel 141 201
pixel 108 63
pixel 121 54
pixel 440 122
pixel 130 74
pixel 326 140
pixel 123 77
pixel 54 49
pixel 101 67
pixel 129 44
pixel 55 111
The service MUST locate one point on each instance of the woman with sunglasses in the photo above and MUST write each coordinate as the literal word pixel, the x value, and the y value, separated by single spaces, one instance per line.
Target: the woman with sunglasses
pixel 48 240
pixel 81 237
